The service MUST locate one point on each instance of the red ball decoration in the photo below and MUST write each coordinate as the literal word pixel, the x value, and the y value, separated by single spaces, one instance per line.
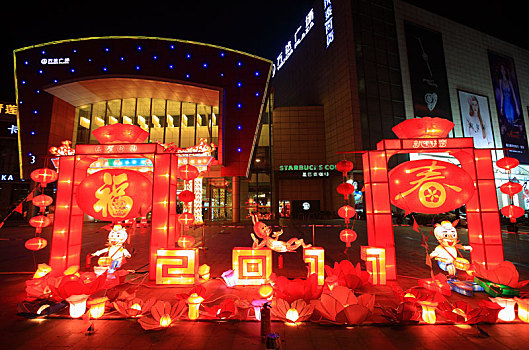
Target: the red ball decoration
pixel 186 196
pixel 187 172
pixel 348 236
pixel 186 218
pixel 512 212
pixel 511 188
pixel 36 243
pixel 44 176
pixel 507 163
pixel 39 222
pixel 346 212
pixel 186 241
pixel 344 166
pixel 345 189
pixel 42 201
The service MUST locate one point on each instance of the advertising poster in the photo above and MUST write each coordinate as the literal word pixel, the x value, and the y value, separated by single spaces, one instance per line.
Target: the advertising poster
pixel 429 84
pixel 508 107
pixel 475 118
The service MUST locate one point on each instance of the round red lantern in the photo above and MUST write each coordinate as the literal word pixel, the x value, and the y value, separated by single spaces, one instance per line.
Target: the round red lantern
pixel 187 172
pixel 511 188
pixel 186 196
pixel 186 218
pixel 39 222
pixel 44 176
pixel 429 186
pixel 346 212
pixel 344 166
pixel 507 163
pixel 115 195
pixel 42 201
pixel 512 212
pixel 36 243
pixel 345 189
pixel 348 236
pixel 186 241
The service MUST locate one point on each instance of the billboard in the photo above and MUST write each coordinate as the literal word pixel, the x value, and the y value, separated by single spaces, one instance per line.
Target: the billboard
pixel 475 118
pixel 426 62
pixel 508 106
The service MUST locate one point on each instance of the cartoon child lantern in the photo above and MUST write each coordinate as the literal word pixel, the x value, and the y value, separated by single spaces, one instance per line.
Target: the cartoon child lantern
pixel 446 252
pixel 270 239
pixel 116 252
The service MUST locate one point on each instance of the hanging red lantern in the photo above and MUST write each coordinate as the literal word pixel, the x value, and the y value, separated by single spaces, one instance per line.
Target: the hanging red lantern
pixel 36 243
pixel 507 163
pixel 187 172
pixel 344 166
pixel 44 176
pixel 115 195
pixel 186 241
pixel 186 218
pixel 429 186
pixel 345 189
pixel 39 222
pixel 511 188
pixel 186 196
pixel 348 236
pixel 346 212
pixel 42 201
pixel 512 212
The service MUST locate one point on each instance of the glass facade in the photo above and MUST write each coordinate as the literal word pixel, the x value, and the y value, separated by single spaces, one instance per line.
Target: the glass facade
pixel 166 121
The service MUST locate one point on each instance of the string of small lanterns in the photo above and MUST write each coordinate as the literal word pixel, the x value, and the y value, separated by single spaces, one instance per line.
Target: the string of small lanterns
pixel 510 188
pixel 187 172
pixel 347 235
pixel 42 177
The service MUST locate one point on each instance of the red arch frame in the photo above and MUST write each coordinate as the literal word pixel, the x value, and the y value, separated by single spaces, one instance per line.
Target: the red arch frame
pixel 483 219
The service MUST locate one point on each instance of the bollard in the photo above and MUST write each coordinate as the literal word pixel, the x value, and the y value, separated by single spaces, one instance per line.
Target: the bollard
pixel 265 320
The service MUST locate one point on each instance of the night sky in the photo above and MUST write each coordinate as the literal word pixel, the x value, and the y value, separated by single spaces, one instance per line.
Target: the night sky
pixel 256 27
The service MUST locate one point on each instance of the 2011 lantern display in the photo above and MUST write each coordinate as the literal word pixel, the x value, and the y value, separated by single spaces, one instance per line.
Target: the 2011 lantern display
pixel 431 186
pixel 446 253
pixel 116 252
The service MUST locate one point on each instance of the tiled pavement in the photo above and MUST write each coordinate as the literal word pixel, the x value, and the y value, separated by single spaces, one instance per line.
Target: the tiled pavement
pixel 19 333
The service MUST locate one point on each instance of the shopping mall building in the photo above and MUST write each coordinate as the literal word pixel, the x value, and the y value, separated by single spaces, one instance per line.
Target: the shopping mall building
pixel 342 79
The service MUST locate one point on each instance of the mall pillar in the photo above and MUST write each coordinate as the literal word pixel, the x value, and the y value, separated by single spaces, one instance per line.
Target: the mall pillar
pixel 235 199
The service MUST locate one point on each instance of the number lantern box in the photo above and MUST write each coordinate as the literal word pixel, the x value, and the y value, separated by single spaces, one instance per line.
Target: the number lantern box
pixel 375 259
pixel 315 257
pixel 177 266
pixel 251 266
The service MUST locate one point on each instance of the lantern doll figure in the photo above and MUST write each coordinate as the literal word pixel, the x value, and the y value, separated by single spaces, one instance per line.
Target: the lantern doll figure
pixel 116 252
pixel 270 239
pixel 446 252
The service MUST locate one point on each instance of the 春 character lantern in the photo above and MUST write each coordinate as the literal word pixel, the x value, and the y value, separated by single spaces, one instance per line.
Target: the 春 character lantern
pixel 115 195
pixel 429 186
pixel 447 250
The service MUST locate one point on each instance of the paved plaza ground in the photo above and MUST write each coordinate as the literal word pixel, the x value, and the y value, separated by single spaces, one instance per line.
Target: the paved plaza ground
pixel 113 333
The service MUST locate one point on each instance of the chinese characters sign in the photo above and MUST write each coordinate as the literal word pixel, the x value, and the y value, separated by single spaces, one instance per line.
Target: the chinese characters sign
pixel 115 194
pixel 65 60
pixel 429 186
pixel 8 109
pixel 329 28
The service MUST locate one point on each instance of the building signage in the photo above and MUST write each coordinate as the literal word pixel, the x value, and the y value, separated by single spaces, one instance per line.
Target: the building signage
pixel 299 35
pixel 313 170
pixel 329 28
pixel 8 109
pixel 7 177
pixel 52 61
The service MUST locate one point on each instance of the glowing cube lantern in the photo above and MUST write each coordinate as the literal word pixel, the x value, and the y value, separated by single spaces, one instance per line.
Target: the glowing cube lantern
pixel 523 309
pixel 177 266
pixel 507 314
pixel 375 259
pixel 315 257
pixel 251 266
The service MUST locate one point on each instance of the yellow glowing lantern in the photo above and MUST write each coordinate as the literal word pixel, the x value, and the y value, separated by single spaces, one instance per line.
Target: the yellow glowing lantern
pixel 97 307
pixel 203 272
pixel 523 309
pixel 266 291
pixel 136 307
pixel 165 321
pixel 194 301
pixel 428 311
pixel 42 271
pixel 292 315
pixel 507 314
pixel 77 305
pixel 72 270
